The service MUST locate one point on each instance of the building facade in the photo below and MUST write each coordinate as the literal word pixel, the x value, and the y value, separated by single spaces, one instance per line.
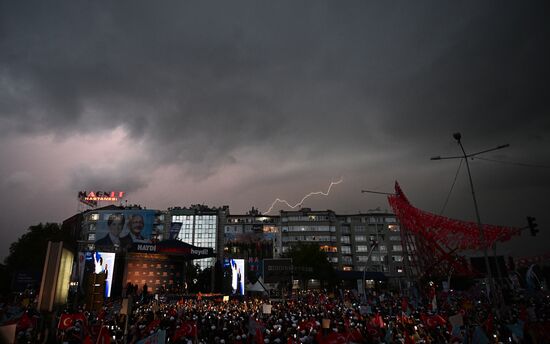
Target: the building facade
pixel 346 239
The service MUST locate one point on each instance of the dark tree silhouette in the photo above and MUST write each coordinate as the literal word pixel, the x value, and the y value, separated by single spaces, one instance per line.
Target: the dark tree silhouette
pixel 310 262
pixel 29 251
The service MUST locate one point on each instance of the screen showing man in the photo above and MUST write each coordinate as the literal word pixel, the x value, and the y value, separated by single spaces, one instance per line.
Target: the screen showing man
pixel 115 224
pixel 135 227
pixel 237 276
pixel 104 262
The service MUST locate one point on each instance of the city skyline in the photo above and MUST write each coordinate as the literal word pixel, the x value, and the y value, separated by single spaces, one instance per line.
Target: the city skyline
pixel 242 103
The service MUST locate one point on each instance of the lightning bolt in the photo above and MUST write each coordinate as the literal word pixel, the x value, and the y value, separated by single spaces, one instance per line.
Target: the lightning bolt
pixel 278 200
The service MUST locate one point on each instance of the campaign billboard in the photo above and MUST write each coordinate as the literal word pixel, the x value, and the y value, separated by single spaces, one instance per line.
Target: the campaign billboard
pixel 123 228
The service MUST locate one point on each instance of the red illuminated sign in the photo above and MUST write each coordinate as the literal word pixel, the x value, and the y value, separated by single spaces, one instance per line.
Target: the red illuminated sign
pixel 111 196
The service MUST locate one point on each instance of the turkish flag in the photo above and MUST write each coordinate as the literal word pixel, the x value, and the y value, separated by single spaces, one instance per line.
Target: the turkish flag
pixel 404 304
pixel 408 339
pixel 26 322
pixel 187 329
pixel 104 336
pixel 433 321
pixel 378 321
pixel 307 325
pixel 67 320
pixel 355 336
pixel 335 338
pixel 153 325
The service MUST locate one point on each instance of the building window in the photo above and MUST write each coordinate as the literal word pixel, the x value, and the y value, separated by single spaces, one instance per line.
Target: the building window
pixel 395 238
pixel 360 238
pixel 332 249
pixel 397 248
pixel 346 250
pixel 362 248
pixel 91 236
pixel 393 228
pixel 360 228
pixel 390 220
pixel 345 239
pixel 397 258
pixel 383 248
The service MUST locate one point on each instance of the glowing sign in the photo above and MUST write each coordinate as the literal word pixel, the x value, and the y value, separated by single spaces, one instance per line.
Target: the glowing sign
pixel 92 196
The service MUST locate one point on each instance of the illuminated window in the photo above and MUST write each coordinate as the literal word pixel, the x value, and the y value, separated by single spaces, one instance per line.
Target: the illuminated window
pixel 397 258
pixel 346 250
pixel 347 268
pixel 360 238
pixel 393 228
pixel 327 248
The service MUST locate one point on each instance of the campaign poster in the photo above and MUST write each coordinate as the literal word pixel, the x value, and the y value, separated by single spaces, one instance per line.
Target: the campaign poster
pixel 123 228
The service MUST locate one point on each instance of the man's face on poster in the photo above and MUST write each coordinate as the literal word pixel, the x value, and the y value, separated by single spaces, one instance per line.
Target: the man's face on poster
pixel 136 224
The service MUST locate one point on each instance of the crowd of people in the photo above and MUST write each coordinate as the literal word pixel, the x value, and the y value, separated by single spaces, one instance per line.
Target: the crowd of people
pixel 318 316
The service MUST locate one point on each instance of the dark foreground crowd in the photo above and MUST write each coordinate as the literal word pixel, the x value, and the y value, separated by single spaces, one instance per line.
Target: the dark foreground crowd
pixel 304 317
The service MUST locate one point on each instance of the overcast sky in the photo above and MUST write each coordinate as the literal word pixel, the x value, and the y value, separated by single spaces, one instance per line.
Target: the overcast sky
pixel 238 103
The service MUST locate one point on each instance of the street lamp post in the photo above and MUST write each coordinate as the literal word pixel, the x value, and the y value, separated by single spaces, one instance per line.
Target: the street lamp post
pixel 373 245
pixel 465 156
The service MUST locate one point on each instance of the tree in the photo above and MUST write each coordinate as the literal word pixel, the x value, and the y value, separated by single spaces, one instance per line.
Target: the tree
pixel 29 251
pixel 311 263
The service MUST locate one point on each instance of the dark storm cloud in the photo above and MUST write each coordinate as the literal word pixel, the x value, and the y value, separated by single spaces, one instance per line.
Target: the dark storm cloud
pixel 89 178
pixel 314 90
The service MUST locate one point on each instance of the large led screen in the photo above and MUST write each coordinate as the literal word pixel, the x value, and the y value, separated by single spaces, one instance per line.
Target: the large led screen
pixel 105 262
pixel 96 262
pixel 237 275
pixel 124 228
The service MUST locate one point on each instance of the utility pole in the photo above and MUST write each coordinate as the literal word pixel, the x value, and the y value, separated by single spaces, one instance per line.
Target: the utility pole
pixel 373 245
pixel 465 156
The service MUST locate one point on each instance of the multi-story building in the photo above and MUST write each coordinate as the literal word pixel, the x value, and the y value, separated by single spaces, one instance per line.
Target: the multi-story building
pixel 252 237
pixel 346 239
pixel 201 226
pixel 360 231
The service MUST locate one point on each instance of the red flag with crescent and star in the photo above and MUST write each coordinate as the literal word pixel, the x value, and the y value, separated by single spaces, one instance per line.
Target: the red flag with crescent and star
pixel 187 329
pixel 67 320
